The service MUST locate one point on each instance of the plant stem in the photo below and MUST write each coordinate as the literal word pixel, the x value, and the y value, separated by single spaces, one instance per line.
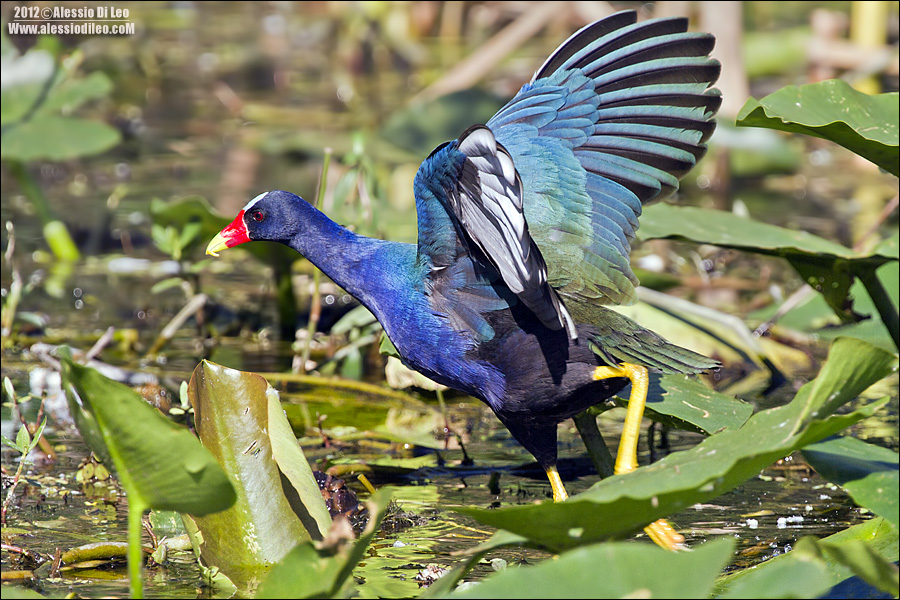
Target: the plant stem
pixel 586 423
pixel 12 489
pixel 883 303
pixel 135 552
pixel 55 232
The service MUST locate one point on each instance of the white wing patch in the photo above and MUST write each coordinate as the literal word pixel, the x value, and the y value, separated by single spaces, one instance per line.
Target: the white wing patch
pixel 488 205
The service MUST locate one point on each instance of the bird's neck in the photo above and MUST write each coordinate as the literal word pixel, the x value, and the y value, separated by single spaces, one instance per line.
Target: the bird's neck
pixel 368 269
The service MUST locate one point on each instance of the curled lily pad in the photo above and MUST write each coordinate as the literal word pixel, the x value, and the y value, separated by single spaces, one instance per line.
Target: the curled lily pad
pixel 239 419
pixel 868 472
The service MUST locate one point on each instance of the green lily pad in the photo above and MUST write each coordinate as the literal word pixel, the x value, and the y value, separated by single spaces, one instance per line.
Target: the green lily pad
pixel 613 570
pixel 867 548
pixel 833 110
pixel 685 403
pixel 239 419
pixel 57 138
pixel 802 574
pixel 868 472
pixel 71 94
pixel 828 267
pixel 621 505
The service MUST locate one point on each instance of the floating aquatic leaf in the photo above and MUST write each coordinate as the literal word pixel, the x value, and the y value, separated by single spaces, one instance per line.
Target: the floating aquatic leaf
pixel 867 548
pixel 868 472
pixel 827 266
pixel 57 138
pixel 802 574
pixel 833 110
pixel 612 570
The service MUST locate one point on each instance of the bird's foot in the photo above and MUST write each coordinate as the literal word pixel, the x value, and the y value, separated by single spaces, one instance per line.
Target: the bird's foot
pixel 664 535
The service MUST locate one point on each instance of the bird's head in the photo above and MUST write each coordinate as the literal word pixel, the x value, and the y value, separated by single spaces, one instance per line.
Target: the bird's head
pixel 271 216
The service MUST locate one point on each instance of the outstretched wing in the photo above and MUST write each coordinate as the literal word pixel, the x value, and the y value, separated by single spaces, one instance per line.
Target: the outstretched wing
pixel 546 196
pixel 609 123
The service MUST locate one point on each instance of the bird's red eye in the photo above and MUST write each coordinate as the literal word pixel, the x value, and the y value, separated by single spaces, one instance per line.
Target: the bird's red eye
pixel 258 215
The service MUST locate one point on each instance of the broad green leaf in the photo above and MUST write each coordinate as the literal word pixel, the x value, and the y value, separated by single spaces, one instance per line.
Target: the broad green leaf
pixel 726 229
pixel 286 451
pixel 866 563
pixel 234 413
pixel 612 570
pixel 685 403
pixel 160 464
pixel 56 138
pixel 827 266
pixel 310 572
pixel 23 439
pixel 879 537
pixel 833 110
pixel 23 79
pixel 802 574
pixel 15 592
pixel 868 472
pixel 622 504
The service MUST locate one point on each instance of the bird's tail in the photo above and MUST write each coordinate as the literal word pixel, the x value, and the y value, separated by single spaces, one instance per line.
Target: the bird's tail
pixel 618 339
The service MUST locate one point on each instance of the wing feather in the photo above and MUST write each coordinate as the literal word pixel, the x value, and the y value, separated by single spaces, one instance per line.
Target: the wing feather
pixel 488 206
pixel 633 110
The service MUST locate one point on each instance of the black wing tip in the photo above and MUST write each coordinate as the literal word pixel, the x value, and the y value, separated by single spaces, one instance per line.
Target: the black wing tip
pixel 617 21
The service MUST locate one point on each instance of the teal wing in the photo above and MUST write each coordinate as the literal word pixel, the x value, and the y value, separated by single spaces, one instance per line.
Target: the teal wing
pixel 609 123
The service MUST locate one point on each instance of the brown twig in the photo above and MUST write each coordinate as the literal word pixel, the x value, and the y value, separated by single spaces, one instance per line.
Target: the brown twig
pixel 37 557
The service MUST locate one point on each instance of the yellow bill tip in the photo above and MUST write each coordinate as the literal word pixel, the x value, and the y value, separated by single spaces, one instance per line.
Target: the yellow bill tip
pixel 216 245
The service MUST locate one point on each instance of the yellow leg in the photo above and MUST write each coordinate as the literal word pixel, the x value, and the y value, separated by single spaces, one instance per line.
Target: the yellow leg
pixel 559 491
pixel 626 460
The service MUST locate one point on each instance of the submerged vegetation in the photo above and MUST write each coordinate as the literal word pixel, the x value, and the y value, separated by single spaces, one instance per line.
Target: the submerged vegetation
pixel 192 380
